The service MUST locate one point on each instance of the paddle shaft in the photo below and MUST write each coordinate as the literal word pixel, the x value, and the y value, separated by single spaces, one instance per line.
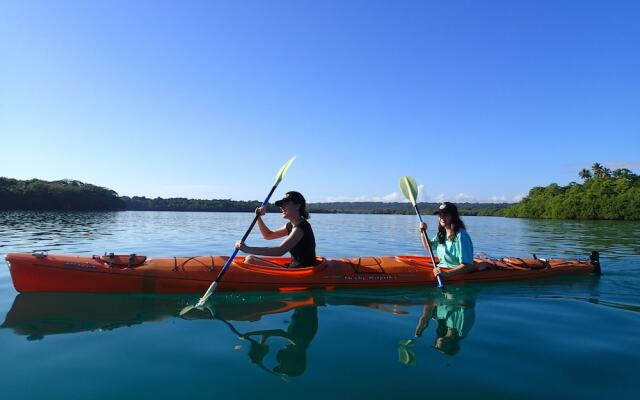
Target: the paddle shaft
pixel 213 285
pixel 433 259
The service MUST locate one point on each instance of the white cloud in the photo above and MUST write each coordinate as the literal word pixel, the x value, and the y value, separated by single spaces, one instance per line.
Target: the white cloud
pixel 392 197
pixel 389 198
pixel 337 199
pixel 464 198
pixel 497 199
pixel 439 198
pixel 423 197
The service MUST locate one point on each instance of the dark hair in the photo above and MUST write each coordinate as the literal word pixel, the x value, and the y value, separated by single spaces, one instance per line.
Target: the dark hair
pixel 449 344
pixel 304 212
pixel 292 361
pixel 456 225
pixel 298 198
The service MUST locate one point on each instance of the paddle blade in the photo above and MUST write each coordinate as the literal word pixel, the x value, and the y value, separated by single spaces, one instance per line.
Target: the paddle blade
pixel 407 342
pixel 283 170
pixel 207 294
pixel 409 188
pixel 193 312
pixel 406 356
pixel 186 310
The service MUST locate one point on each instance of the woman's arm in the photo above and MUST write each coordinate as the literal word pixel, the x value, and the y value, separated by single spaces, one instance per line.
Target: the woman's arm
pixel 457 270
pixel 465 249
pixel 294 237
pixel 268 332
pixel 424 237
pixel 423 322
pixel 268 234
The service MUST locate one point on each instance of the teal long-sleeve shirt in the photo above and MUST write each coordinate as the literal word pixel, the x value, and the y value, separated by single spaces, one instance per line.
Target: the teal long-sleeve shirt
pixel 454 252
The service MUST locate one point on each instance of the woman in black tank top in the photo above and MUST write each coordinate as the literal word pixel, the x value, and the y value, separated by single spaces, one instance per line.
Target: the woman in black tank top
pixel 300 240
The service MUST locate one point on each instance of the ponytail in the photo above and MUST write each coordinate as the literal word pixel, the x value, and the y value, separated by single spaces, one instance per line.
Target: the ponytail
pixel 303 211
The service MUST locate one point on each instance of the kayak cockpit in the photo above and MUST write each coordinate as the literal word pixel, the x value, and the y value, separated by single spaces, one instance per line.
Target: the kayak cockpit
pixel 280 267
pixel 121 260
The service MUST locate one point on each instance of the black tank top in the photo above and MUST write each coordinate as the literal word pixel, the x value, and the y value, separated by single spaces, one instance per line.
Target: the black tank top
pixel 303 254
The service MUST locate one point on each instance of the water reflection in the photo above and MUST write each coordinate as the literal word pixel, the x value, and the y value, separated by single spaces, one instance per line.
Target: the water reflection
pixel 25 231
pixel 555 238
pixel 439 322
pixel 36 315
pixel 292 356
pixel 279 350
pixel 453 315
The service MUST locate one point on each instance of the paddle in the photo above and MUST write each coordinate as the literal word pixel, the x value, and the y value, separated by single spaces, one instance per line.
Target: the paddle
pixel 409 188
pixel 214 284
pixel 405 355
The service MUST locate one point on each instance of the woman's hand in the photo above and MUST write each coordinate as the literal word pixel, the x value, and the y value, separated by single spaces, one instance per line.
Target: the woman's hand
pixel 422 227
pixel 241 246
pixel 437 271
pixel 260 211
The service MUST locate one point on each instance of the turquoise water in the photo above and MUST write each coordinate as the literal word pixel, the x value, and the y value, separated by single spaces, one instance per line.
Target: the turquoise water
pixel 575 337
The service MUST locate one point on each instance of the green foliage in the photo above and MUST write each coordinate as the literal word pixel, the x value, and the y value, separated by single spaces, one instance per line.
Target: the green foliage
pixel 403 208
pixel 64 195
pixel 604 194
pixel 226 205
pixel 69 195
pixel 182 204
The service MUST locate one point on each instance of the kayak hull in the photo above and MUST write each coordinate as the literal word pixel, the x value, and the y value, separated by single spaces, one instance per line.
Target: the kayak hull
pixel 41 272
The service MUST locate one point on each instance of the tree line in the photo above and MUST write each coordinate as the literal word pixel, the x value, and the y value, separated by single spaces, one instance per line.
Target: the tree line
pixel 72 195
pixel 603 194
pixel 62 195
pixel 486 209
pixel 138 203
pixel 227 205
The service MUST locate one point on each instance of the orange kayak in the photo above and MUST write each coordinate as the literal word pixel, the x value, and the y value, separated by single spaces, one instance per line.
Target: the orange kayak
pixel 43 272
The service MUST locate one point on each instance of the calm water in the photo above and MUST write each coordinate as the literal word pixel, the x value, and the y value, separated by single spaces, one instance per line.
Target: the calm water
pixel 573 337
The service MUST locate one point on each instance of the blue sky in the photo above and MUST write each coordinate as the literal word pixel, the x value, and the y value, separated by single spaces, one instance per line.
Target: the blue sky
pixel 478 100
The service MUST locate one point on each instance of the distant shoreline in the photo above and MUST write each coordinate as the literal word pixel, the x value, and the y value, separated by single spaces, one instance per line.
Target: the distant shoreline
pixel 379 208
pixel 72 195
pixel 603 195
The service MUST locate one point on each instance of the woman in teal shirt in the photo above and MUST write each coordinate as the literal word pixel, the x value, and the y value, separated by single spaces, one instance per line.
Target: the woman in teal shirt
pixel 452 244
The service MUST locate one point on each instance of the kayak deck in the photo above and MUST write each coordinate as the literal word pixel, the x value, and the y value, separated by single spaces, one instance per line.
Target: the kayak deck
pixel 43 272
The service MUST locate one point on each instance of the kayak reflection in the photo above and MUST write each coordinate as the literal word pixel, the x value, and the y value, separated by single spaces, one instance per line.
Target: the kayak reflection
pixel 37 315
pixel 280 349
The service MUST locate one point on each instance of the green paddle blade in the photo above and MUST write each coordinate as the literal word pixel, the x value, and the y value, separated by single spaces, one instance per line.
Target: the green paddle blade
pixel 283 171
pixel 186 310
pixel 409 188
pixel 193 312
pixel 408 342
pixel 406 356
